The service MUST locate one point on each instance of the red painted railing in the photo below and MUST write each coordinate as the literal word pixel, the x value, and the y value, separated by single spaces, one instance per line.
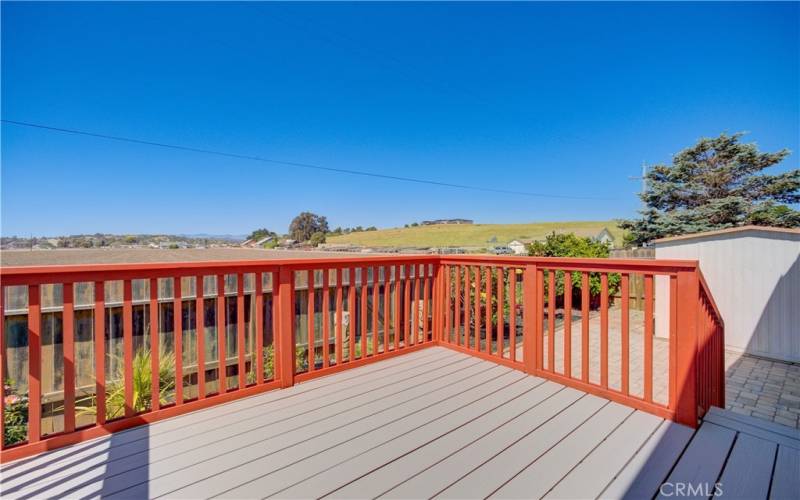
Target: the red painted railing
pixel 219 331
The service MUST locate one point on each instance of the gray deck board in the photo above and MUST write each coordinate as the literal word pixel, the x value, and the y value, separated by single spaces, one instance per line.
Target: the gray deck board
pixel 197 431
pixel 429 479
pixel 703 460
pixel 748 472
pixel 394 425
pixel 163 448
pixel 213 473
pixel 484 480
pixel 786 478
pixel 371 483
pixel 590 477
pixel 475 418
pixel 649 467
pixel 433 423
pixel 547 470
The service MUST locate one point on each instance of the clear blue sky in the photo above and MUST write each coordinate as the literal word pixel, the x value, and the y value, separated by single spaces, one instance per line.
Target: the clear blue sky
pixel 566 99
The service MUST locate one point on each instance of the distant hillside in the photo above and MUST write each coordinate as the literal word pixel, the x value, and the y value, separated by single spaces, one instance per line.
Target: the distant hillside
pixel 472 235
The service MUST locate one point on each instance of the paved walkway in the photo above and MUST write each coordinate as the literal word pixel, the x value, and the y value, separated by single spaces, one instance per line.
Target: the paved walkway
pixel 763 388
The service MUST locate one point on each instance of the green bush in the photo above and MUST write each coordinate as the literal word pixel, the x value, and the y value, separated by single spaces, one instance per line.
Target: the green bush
pixel 570 245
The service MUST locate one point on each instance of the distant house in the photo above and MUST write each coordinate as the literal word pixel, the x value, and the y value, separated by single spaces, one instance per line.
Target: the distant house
pixel 605 237
pixel 519 247
pixel 447 221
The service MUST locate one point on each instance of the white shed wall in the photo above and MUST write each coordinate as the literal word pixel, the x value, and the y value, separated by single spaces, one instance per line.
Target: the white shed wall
pixel 754 277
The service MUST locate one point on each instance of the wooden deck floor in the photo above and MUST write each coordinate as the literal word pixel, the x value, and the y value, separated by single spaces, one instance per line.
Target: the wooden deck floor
pixel 430 423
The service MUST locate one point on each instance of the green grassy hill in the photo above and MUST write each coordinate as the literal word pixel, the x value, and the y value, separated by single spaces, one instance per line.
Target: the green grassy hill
pixel 472 235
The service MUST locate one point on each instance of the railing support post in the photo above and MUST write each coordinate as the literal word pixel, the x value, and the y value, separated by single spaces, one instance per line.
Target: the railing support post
pixel 529 315
pixel 688 298
pixel 285 338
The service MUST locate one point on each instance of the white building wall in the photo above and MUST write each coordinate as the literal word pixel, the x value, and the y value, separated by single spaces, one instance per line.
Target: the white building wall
pixel 754 276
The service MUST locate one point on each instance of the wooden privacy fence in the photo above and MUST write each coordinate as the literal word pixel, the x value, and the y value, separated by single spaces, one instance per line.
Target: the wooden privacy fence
pixel 178 337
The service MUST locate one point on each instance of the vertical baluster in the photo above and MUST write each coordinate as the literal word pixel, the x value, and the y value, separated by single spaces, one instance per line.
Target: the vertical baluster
pixel 488 307
pixel 68 333
pixel 396 307
pixel 467 306
pixel 326 318
pixel 625 333
pixel 585 326
pixel 177 331
pixel 258 363
pixel 604 330
pixel 567 324
pixel 426 285
pixel 386 307
pixel 351 305
pixel 648 337
pixel 539 319
pixel 415 312
pixel 99 350
pixel 127 346
pixel 457 309
pixel 240 333
pixel 551 320
pixel 447 323
pixel 477 306
pixel 339 317
pixel 200 328
pixel 375 309
pixel 406 303
pixel 363 315
pixel 512 311
pixel 222 380
pixel 155 400
pixel 501 320
pixel 311 358
pixel 34 365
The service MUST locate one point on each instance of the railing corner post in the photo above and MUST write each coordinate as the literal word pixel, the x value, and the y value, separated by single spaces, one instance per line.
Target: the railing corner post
pixel 285 347
pixel 529 315
pixel 688 298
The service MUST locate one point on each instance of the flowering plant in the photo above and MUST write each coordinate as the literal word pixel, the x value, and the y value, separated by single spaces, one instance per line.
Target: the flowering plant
pixel 15 414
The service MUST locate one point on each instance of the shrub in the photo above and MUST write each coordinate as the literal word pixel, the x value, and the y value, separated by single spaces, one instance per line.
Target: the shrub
pixel 570 245
pixel 15 415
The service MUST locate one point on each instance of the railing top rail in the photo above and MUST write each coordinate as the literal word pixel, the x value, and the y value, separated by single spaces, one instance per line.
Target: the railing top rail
pixel 79 271
pixel 707 292
pixel 76 272
pixel 616 265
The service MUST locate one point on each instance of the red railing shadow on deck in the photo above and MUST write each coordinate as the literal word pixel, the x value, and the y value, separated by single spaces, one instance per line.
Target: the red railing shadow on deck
pixel 298 319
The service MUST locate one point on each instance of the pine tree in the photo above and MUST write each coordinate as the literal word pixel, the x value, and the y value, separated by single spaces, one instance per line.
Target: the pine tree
pixel 715 184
